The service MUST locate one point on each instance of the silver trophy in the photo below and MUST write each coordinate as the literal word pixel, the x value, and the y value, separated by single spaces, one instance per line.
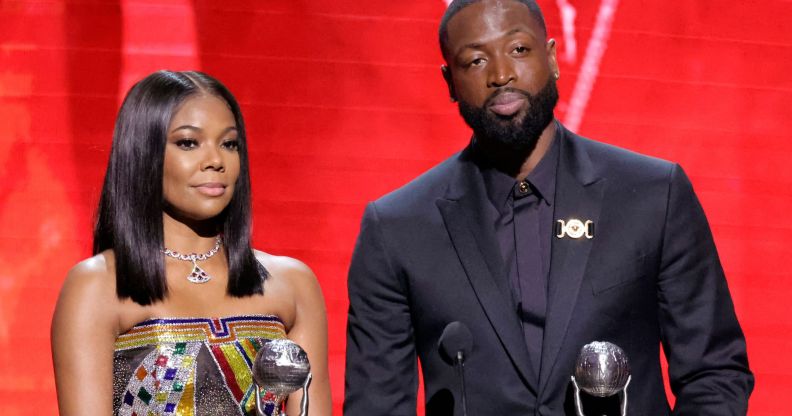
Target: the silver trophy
pixel 602 370
pixel 281 368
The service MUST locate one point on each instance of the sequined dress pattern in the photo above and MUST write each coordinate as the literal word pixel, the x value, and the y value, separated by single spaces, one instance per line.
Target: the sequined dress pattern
pixel 191 366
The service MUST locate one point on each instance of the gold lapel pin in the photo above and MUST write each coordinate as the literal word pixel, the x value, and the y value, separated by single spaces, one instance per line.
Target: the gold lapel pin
pixel 574 228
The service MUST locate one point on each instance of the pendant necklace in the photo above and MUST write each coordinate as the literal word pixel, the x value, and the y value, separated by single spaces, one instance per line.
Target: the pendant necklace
pixel 197 275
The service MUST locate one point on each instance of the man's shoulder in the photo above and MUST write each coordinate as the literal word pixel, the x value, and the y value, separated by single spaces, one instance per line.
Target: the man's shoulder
pixel 613 161
pixel 424 190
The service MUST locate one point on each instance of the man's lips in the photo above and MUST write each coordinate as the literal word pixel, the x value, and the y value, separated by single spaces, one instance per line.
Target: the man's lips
pixel 211 189
pixel 507 104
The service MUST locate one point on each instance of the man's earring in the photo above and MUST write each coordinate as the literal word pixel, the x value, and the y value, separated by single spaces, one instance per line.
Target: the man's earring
pixel 557 75
pixel 453 99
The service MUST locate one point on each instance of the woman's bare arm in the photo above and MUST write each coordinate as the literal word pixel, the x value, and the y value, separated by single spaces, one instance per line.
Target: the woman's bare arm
pixel 84 330
pixel 309 331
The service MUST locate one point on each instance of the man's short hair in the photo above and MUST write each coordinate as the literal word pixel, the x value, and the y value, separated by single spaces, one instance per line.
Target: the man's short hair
pixel 457 5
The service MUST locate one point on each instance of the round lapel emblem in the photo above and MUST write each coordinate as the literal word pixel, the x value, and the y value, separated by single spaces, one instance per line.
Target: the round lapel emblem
pixel 575 228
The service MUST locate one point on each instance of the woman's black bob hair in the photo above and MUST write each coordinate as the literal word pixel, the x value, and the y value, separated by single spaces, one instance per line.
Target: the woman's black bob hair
pixel 129 218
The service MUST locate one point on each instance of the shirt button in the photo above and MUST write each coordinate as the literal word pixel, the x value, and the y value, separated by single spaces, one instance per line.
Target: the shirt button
pixel 523 188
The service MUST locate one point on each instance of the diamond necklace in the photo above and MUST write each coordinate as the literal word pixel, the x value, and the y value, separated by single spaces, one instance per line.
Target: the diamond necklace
pixel 197 275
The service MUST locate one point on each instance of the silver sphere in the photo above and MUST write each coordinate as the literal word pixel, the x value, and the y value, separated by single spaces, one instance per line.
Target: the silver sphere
pixel 602 369
pixel 281 366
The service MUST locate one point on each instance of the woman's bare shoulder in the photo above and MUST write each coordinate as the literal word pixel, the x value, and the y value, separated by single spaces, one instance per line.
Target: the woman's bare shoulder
pixel 287 267
pixel 287 272
pixel 93 273
pixel 90 287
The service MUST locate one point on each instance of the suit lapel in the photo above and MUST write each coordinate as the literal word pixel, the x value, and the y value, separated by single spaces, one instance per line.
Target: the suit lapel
pixel 464 211
pixel 578 195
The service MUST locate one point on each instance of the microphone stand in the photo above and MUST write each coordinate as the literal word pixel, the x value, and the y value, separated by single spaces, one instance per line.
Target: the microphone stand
pixel 454 343
pixel 460 361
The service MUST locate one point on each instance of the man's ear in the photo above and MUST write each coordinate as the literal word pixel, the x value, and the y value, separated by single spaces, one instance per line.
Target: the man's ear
pixel 449 81
pixel 552 60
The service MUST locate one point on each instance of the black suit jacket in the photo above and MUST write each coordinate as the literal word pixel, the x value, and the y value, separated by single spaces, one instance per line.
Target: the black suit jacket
pixel 427 255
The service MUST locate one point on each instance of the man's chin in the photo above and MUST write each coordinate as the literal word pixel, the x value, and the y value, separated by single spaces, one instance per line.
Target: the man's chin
pixel 511 124
pixel 510 140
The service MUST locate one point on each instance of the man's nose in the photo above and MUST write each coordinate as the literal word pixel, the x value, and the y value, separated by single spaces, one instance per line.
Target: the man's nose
pixel 501 72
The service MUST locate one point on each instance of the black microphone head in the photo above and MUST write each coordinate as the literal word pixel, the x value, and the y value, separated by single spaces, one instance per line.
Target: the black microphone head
pixel 456 337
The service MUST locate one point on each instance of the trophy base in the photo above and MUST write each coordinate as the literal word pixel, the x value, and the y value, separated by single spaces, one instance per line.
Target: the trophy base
pixel 601 406
pixel 614 405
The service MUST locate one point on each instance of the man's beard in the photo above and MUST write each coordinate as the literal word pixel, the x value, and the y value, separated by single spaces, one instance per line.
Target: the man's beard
pixel 520 131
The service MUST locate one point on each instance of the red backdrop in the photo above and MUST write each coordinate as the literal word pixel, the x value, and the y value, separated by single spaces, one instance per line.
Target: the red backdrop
pixel 344 102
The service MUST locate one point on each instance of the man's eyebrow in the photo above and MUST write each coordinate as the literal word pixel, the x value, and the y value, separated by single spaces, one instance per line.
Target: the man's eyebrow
pixel 478 45
pixel 473 45
pixel 520 30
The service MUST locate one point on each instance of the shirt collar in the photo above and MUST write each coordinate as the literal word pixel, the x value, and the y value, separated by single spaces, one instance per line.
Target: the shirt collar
pixel 500 186
pixel 543 177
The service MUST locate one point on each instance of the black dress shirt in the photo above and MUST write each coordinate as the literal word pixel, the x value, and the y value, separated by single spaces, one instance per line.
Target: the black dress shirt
pixel 523 224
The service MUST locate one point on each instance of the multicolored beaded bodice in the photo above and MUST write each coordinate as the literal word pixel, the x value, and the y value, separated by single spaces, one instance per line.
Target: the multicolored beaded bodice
pixel 190 366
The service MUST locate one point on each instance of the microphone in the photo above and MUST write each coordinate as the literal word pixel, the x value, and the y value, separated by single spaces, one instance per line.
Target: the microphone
pixel 601 370
pixel 281 367
pixel 455 344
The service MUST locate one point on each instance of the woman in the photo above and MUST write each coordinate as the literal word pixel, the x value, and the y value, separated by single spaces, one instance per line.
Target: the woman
pixel 144 327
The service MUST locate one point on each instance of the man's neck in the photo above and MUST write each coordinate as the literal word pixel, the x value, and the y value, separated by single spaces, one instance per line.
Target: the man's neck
pixel 517 163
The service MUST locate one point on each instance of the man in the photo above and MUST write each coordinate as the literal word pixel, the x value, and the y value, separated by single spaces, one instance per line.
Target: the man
pixel 539 242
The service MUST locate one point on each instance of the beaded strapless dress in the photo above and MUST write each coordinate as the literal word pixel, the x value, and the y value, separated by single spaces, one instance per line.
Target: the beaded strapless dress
pixel 191 366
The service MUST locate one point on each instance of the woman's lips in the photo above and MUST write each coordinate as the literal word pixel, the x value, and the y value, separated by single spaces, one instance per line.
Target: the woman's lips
pixel 211 189
pixel 507 104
